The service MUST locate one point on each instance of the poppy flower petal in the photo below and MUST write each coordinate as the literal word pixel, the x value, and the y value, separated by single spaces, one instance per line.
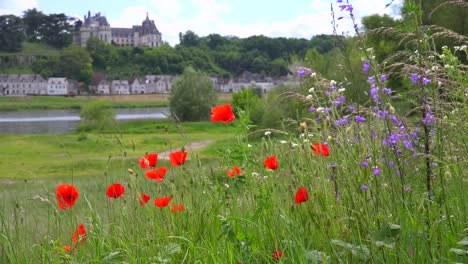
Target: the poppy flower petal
pixel 157 174
pixel 178 158
pixel 66 195
pixel 115 190
pixel 271 163
pixel 301 195
pixel 222 113
pixel 177 208
pixel 144 198
pixel 79 235
pixel 162 202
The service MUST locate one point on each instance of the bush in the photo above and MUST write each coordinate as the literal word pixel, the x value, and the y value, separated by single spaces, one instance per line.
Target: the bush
pixel 193 95
pixel 96 116
pixel 249 101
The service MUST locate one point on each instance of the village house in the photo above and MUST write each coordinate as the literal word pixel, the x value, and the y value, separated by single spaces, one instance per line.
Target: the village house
pixel 159 83
pixel 103 87
pixel 137 86
pixel 119 87
pixel 22 84
pixel 61 86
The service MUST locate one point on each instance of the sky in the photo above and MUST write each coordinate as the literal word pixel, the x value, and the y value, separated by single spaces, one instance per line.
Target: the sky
pixel 241 18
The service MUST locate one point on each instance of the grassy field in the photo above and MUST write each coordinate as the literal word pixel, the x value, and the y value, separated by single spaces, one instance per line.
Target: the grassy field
pixel 30 48
pixel 89 154
pixel 10 103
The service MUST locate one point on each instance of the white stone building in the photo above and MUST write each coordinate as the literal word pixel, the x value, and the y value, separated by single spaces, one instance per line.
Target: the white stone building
pixel 58 86
pixel 146 35
pixel 159 83
pixel 103 87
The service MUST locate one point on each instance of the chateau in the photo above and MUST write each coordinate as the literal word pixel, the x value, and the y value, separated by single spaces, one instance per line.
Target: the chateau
pixel 146 35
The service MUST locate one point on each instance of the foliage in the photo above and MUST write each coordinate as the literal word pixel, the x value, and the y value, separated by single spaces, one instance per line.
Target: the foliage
pixel 75 63
pixel 11 33
pixel 248 101
pixel 192 96
pixel 96 115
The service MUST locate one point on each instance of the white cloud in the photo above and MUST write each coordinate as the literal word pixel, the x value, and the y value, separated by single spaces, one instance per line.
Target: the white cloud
pixel 16 7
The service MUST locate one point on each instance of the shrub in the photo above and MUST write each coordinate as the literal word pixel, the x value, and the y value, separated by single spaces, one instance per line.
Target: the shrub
pixel 96 116
pixel 192 96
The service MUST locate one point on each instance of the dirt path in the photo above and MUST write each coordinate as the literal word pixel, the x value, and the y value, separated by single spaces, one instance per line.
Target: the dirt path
pixel 190 147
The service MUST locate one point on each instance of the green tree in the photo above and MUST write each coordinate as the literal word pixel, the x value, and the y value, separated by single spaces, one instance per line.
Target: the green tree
pixel 192 96
pixel 33 20
pixel 76 63
pixel 56 30
pixel 11 33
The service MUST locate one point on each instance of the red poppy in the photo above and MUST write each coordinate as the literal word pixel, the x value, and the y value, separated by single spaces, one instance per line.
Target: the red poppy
pixel 222 113
pixel 148 161
pixel 157 174
pixel 162 202
pixel 144 198
pixel 302 195
pixel 271 163
pixel 69 248
pixel 234 171
pixel 177 208
pixel 277 254
pixel 79 235
pixel 178 158
pixel 115 190
pixel 66 195
pixel 320 149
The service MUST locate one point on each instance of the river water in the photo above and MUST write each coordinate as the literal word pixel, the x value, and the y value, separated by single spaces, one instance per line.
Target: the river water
pixel 66 120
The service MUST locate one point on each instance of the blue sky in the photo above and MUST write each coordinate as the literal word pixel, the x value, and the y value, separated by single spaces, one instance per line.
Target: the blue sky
pixel 243 18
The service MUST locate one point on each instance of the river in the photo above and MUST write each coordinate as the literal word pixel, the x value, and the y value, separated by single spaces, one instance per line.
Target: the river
pixel 66 120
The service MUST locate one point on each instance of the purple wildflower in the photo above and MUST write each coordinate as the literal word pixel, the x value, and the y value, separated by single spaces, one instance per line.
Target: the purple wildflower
pixel 347 7
pixel 312 109
pixel 339 100
pixel 426 81
pixel 352 108
pixel 364 164
pixel 387 91
pixel 429 119
pixel 383 77
pixel 371 79
pixel 302 71
pixel 360 119
pixel 394 119
pixel 339 1
pixel 365 67
pixel 343 121
pixel 363 187
pixel 376 171
pixel 414 78
pixel 391 164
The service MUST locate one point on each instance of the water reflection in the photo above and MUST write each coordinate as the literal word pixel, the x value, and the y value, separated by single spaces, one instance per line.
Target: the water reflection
pixel 63 121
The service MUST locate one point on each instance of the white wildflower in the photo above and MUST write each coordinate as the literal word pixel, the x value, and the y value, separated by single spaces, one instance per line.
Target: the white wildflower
pixel 313 74
pixel 332 83
pixel 293 145
pixel 311 90
pixel 370 50
pixel 267 133
pixel 309 96
pixel 320 109
pixel 463 47
pixel 341 90
pixel 456 48
pixel 227 185
pixel 249 146
pixel 283 141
